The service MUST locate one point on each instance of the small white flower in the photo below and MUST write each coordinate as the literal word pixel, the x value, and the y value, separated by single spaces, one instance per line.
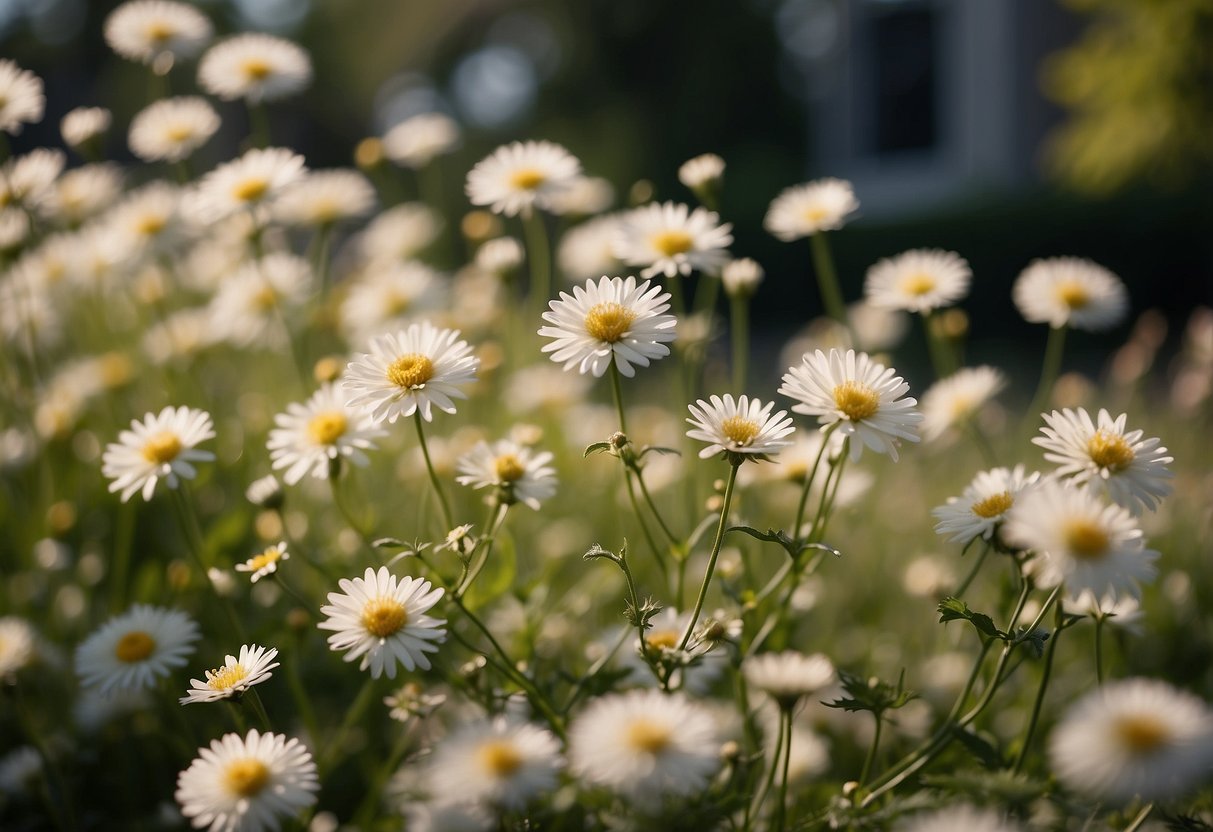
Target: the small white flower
pixel 264 562
pixel 803 210
pixel 672 240
pixel 248 784
pixel 953 401
pixel 957 819
pixel 416 141
pixel 585 196
pixel 391 297
pixel 666 629
pixel 399 234
pixel 25 180
pixel 1124 612
pixel 1105 456
pixel 611 320
pixel 310 436
pixel 254 180
pixel 741 277
pixel 704 171
pixel 588 250
pixel 789 676
pixel 17 645
pixel 859 394
pixel 171 129
pixel 519 177
pixel 1070 291
pixel 82 192
pixel 155 32
pixel 416 369
pixel 162 446
pixel 1136 738
pixel 238 674
pixel 256 67
pixel 497 763
pixel 251 304
pixel 518 473
pixel 984 504
pixel 146 220
pixel 500 256
pixel 136 648
pixel 325 197
pixel 744 427
pixel 21 98
pixel 382 619
pixel 918 281
pixel 83 124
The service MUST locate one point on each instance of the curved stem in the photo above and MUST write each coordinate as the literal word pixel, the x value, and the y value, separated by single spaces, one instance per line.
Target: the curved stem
pixel 258 707
pixel 429 466
pixel 361 702
pixel 644 527
pixel 774 768
pixel 648 498
pixel 484 547
pixel 808 482
pixel 1049 371
pixel 867 763
pixel 707 575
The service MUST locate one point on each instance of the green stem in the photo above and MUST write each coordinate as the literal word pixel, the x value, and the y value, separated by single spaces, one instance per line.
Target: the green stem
pixel 648 498
pixel 352 716
pixel 1049 370
pixel 808 482
pixel 429 466
pixel 829 494
pixel 302 701
pixel 964 585
pixel 707 575
pixel 539 255
pixel 324 239
pixel 484 548
pixel 739 319
pixel 781 807
pixel 769 781
pixel 827 281
pixel 941 359
pixel 123 539
pixel 259 124
pixel 871 758
pixel 617 390
pixel 1045 673
pixel 258 707
pixel 366 810
pixel 1099 621
pixel 1136 823
pixel 658 556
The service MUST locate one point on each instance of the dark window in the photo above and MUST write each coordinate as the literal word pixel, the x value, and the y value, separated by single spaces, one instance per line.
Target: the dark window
pixel 902 47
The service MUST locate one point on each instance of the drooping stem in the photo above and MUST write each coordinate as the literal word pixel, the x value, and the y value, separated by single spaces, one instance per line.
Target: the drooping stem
pixel 827 281
pixel 429 466
pixel 1049 370
pixel 739 325
pixel 707 575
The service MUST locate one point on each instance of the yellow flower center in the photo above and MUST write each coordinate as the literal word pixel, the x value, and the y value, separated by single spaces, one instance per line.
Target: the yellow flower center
pixel 508 468
pixel 325 211
pixel 383 617
pixel 1072 294
pixel 672 242
pixel 662 639
pixel 499 758
pixel 326 428
pixel 993 505
pixel 161 448
pixel 257 69
pixel 647 736
pixel 134 646
pixel 1086 540
pixel 246 777
pixel 527 179
pixel 608 322
pixel 856 401
pixel 251 189
pixel 739 430
pixel 412 370
pixel 1142 734
pixel 265 299
pixel 1108 450
pixel 815 213
pixel 269 556
pixel 917 284
pixel 158 31
pixel 149 225
pixel 178 132
pixel 394 303
pixel 225 678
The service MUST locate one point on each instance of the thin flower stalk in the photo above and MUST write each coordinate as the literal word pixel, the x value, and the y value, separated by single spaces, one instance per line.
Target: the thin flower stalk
pixel 707 575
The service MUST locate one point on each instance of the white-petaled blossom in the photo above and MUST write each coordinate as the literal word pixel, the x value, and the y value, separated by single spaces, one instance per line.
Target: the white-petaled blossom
pixel 265 492
pixel 17 645
pixel 413 370
pixel 500 256
pixel 953 401
pixel 1104 455
pixel 496 763
pixel 170 129
pixel 741 277
pixel 918 281
pixel 1080 541
pixel 519 474
pixel 1124 612
pixel 83 124
pixel 133 650
pixel 310 437
pixel 957 819
pixel 156 32
pixel 671 239
pixel 519 177
pixel 21 98
pixel 645 745
pixel 611 320
pixel 983 505
pixel 390 298
pixel 588 250
pixel 416 141
pixel 254 66
pixel 399 233
pixel 147 219
pixel 248 784
pixel 803 210
pixel 789 676
pixel 251 304
pixel 245 184
pixel 383 620
pixel 704 171
pixel 860 395
pixel 585 196
pixel 82 192
pixel 324 197
pixel 1135 738
pixel 1070 291
pixel 661 641
pixel 743 426
pixel 264 562
pixel 25 180
pixel 236 675
pixel 160 447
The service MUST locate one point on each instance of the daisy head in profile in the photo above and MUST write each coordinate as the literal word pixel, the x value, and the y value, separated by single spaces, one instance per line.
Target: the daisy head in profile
pixel 739 429
pixel 520 177
pixel 952 402
pixel 497 763
pixel 157 32
pixel 323 198
pixel 918 281
pixel 670 239
pixel 310 437
pixel 515 472
pixel 789 676
pixel 265 562
pixel 160 447
pixel 256 67
pixel 416 141
pixel 248 183
pixel 21 98
pixel 236 675
pixel 804 210
pixel 133 650
pixel 171 129
pixel 1070 292
pixel 981 509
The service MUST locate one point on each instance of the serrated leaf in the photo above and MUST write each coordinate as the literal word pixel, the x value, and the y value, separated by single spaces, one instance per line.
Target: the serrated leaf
pixel 954 609
pixel 596 448
pixel 871 694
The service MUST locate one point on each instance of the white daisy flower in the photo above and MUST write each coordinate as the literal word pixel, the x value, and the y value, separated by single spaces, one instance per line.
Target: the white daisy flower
pixel 516 472
pixel 382 619
pixel 254 66
pixel 82 192
pixel 391 297
pixel 251 304
pixel 325 197
pixel 1070 291
pixel 789 676
pixel 21 98
pixel 171 129
pixel 180 336
pixel 155 32
pixel 1135 738
pixel 1080 541
pixel 983 506
pixel 518 177
pixel 399 233
pixel 704 171
pixel 25 180
pixel 136 648
pixel 585 196
pixel 1123 612
pixel 14 226
pixel 416 141
pixel 238 674
pixel 588 249
pixel 663 636
pixel 500 256
pixel 161 447
pixel 953 401
pixel 745 427
pixel 862 396
pixel 741 277
pixel 17 645
pixel 611 320
pixel 147 219
pixel 415 369
pixel 918 281
pixel 497 763
pixel 672 240
pixel 245 184
pixel 542 386
pixel 309 437
pixel 1105 456
pixel 264 562
pixel 645 745
pixel 248 784
pixel 83 124
pixel 957 819
pixel 803 210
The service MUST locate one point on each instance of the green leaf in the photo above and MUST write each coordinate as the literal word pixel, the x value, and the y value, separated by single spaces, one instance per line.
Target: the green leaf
pixel 389 543
pixel 954 609
pixel 792 547
pixel 980 747
pixel 656 449
pixel 596 448
pixel 872 694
